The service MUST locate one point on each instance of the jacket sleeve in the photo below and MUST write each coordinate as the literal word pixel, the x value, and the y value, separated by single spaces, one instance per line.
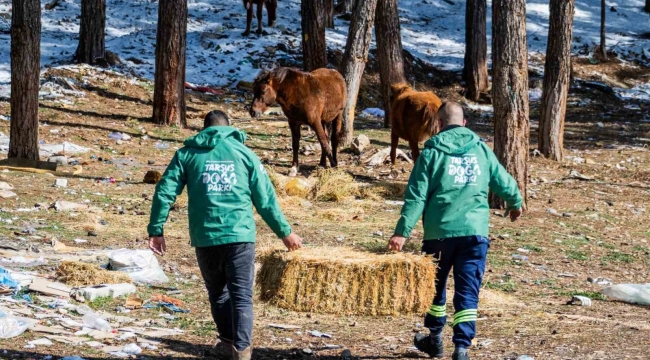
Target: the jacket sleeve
pixel 171 185
pixel 503 184
pixel 264 199
pixel 417 193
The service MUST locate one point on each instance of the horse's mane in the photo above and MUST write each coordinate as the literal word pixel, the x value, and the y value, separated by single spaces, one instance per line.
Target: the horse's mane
pixel 280 74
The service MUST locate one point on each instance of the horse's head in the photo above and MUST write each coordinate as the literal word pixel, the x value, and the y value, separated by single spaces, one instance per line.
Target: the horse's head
pixel 264 94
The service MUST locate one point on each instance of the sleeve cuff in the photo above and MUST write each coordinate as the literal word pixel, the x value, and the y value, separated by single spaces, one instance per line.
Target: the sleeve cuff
pixel 155 230
pixel 283 232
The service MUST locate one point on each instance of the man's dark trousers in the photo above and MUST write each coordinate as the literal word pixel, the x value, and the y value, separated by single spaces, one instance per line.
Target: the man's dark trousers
pixel 467 256
pixel 228 272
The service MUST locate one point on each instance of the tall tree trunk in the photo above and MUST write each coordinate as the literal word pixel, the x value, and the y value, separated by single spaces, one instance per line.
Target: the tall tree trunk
pixel 346 6
pixel 354 61
pixel 91 31
pixel 314 51
pixel 557 72
pixel 329 14
pixel 510 90
pixel 647 6
pixel 475 70
pixel 389 51
pixel 603 41
pixel 169 87
pixel 25 71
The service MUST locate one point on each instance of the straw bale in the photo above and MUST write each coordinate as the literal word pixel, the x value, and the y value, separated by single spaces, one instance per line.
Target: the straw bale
pixel 77 273
pixel 334 185
pixel 343 281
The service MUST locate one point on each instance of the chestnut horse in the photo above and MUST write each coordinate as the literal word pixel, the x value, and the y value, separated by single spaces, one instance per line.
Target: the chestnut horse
pixel 413 118
pixel 271 8
pixel 315 99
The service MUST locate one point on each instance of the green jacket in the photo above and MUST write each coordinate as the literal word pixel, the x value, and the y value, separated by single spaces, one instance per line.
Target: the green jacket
pixel 449 187
pixel 224 181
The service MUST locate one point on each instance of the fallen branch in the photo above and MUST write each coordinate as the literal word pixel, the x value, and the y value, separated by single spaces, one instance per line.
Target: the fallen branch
pixel 380 157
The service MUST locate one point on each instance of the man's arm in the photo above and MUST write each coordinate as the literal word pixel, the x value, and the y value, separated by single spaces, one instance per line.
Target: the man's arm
pixel 265 201
pixel 503 184
pixel 415 198
pixel 170 186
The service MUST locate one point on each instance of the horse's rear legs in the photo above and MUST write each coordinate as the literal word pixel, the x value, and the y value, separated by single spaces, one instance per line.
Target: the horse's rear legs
pixel 394 141
pixel 321 134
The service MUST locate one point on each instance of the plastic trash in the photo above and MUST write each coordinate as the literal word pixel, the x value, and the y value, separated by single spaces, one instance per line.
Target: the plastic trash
pixel 7 280
pixel 72 358
pixel 519 257
pixel 297 187
pixel 161 145
pixel 630 293
pixel 132 349
pixel 141 265
pixel 11 326
pixel 119 136
pixel 93 321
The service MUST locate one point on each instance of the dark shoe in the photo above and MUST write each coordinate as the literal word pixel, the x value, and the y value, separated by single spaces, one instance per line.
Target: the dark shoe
pixel 460 355
pixel 428 345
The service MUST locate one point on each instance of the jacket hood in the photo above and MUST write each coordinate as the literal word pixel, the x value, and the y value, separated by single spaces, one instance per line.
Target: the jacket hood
pixel 213 136
pixel 454 141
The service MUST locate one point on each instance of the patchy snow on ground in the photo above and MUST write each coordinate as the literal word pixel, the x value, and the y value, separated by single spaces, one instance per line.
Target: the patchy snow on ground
pixel 218 54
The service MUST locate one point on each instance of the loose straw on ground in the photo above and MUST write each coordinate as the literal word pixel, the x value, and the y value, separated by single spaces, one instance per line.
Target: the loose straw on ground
pixel 76 273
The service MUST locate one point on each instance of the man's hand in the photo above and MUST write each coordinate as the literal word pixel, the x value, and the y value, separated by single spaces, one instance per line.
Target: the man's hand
pixel 515 214
pixel 396 242
pixel 292 242
pixel 157 244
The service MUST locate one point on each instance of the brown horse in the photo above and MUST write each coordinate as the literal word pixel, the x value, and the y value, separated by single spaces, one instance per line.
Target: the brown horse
pixel 413 118
pixel 315 99
pixel 271 7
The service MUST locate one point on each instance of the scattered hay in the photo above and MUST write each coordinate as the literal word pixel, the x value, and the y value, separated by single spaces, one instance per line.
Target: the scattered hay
pixel 278 181
pixel 382 191
pixel 345 281
pixel 76 273
pixel 334 185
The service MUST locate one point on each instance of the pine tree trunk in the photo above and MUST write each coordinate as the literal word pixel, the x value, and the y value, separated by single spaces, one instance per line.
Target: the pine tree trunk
pixel 91 31
pixel 329 14
pixel 169 87
pixel 557 72
pixel 346 6
pixel 510 90
pixel 647 6
pixel 314 51
pixel 603 41
pixel 389 51
pixel 475 70
pixel 354 61
pixel 25 71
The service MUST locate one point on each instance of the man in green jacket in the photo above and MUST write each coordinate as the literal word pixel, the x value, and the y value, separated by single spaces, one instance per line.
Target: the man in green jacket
pixel 224 181
pixel 449 189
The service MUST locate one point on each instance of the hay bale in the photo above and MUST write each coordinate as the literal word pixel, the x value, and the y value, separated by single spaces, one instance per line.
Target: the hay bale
pixel 76 273
pixel 334 185
pixel 343 281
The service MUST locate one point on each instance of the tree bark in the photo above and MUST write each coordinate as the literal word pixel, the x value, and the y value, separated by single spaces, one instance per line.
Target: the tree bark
pixel 510 90
pixel 389 51
pixel 329 14
pixel 354 61
pixel 557 72
pixel 25 72
pixel 91 31
pixel 475 70
pixel 603 41
pixel 647 6
pixel 169 87
pixel 346 6
pixel 314 51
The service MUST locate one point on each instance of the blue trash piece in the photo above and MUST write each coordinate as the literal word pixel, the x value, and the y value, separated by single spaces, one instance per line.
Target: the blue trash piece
pixel 7 280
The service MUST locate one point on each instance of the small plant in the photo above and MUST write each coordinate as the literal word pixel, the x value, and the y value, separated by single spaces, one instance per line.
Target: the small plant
pixel 533 248
pixel 619 257
pixel 577 255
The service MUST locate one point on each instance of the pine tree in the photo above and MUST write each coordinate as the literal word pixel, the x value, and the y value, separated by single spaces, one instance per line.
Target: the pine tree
pixel 389 51
pixel 92 31
pixel 25 71
pixel 475 70
pixel 313 19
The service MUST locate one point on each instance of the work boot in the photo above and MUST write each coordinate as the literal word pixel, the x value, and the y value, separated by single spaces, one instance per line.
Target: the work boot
pixel 431 345
pixel 460 354
pixel 222 349
pixel 242 355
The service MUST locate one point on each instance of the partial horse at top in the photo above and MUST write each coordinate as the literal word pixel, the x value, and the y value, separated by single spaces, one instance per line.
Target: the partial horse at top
pixel 413 118
pixel 271 8
pixel 315 99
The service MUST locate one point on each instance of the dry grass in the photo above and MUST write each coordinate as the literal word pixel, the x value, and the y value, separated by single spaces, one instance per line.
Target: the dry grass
pixel 278 181
pixel 345 281
pixel 76 273
pixel 334 185
pixel 382 190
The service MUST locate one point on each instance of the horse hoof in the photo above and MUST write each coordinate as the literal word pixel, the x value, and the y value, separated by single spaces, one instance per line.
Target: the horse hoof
pixel 260 32
pixel 293 172
pixel 246 33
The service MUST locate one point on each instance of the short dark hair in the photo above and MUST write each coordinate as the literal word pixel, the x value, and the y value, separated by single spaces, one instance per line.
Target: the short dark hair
pixel 216 118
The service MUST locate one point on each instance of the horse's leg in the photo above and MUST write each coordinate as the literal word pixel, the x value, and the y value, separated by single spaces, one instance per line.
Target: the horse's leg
pixel 394 141
pixel 326 129
pixel 295 143
pixel 336 134
pixel 249 16
pixel 271 8
pixel 415 149
pixel 324 144
pixel 260 9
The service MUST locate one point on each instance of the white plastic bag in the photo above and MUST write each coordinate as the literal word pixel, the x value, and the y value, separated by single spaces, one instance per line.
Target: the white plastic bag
pixel 630 293
pixel 141 265
pixel 11 326
pixel 92 320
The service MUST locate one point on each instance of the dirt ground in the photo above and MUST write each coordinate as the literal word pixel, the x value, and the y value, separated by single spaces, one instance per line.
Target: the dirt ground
pixel 574 229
